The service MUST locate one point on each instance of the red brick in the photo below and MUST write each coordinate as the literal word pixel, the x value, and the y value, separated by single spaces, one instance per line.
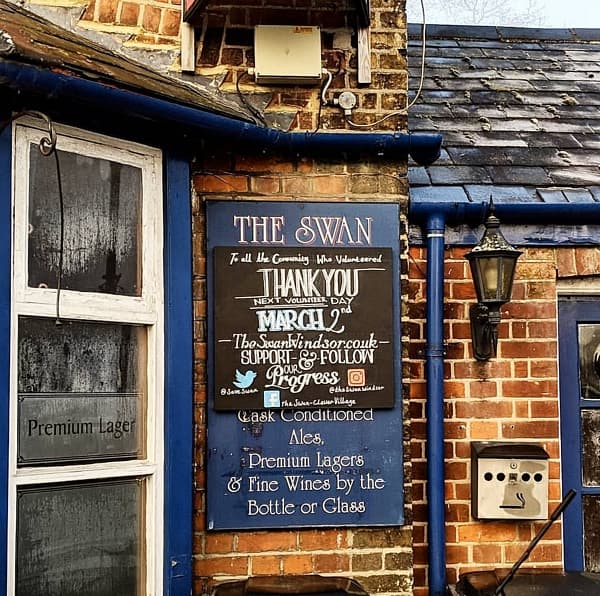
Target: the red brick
pixel 544 409
pixel 535 270
pixel 219 543
pixel 297 564
pixel 456 470
pixel 265 184
pixel 483 430
pixel 565 262
pixel 460 330
pixel 257 542
pixel 492 369
pixel 462 290
pixel 107 12
pixel 322 539
pixel 130 13
pixel 220 183
pixel 327 563
pixel 455 270
pixel 151 18
pixel 454 389
pixel 330 185
pixel 530 429
pixel 486 553
pixel 266 565
pixel 540 289
pixel 221 566
pixel 487 532
pixel 541 329
pixel 532 389
pixel 482 389
pixel 170 23
pixel 529 310
pixel 299 186
pixel 457 512
pixel 518 329
pixel 527 349
pixel 483 409
pixel 587 261
pixel 521 368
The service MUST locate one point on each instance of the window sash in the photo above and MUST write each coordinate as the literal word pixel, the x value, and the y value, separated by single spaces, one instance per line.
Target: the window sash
pixel 83 304
pixel 146 310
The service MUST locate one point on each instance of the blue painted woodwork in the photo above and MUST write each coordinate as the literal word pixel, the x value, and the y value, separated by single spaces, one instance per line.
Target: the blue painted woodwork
pixel 178 439
pixel 571 312
pixel 5 277
pixel 178 377
pixel 368 491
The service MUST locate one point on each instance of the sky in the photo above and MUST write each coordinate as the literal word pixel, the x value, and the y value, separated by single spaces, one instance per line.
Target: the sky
pixel 548 13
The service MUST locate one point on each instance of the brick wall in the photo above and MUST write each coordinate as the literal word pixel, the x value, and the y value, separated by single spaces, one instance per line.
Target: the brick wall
pixel 145 23
pixel 225 52
pixel 380 559
pixel 512 397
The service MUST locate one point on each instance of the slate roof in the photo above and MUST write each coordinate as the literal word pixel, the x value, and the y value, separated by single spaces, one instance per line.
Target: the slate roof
pixel 26 38
pixel 519 111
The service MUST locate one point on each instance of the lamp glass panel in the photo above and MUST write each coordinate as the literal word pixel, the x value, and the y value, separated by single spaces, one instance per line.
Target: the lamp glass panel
pixel 490 277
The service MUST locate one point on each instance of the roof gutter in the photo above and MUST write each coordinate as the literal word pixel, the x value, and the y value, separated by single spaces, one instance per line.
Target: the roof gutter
pixel 516 212
pixel 196 122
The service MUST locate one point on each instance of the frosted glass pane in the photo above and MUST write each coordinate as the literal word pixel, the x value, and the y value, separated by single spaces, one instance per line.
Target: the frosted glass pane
pixel 81 392
pixel 591 529
pixel 590 451
pixel 80 539
pixel 80 357
pixel 102 210
pixel 589 360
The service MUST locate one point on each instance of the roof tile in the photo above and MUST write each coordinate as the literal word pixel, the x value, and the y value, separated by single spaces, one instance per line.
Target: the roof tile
pixel 518 110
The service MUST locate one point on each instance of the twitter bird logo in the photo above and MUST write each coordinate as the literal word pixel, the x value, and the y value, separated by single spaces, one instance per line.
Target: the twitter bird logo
pixel 244 380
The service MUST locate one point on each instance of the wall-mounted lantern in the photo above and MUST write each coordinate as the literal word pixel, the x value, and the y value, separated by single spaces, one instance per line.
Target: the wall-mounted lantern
pixel 493 263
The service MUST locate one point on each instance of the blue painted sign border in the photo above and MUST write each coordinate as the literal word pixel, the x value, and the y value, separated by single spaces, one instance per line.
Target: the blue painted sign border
pixel 284 468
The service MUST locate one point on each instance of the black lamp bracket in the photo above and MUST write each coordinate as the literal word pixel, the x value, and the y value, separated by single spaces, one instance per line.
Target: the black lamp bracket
pixel 484 330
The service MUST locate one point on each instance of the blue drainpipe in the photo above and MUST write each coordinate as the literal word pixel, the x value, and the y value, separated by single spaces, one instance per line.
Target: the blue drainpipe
pixel 436 531
pixel 434 215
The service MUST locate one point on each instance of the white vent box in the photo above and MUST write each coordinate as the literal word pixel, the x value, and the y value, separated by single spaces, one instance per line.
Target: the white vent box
pixel 287 55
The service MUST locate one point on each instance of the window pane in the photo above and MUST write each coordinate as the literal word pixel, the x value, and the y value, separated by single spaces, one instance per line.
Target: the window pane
pixel 590 452
pixel 591 529
pixel 81 389
pixel 589 360
pixel 102 211
pixel 80 539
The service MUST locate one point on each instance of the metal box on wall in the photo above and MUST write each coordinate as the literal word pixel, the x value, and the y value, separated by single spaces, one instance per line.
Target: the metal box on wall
pixel 509 481
pixel 287 55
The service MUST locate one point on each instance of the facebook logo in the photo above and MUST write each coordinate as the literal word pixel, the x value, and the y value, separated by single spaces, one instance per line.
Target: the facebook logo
pixel 271 398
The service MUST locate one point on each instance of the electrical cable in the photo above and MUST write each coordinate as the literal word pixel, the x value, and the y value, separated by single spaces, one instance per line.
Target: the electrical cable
pixel 47 147
pixel 323 101
pixel 256 113
pixel 404 111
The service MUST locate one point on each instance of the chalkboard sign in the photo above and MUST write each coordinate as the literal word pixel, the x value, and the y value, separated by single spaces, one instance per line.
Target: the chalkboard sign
pixel 303 328
pixel 312 288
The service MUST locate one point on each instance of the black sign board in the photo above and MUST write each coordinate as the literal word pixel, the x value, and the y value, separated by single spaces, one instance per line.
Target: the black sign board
pixel 313 287
pixel 303 328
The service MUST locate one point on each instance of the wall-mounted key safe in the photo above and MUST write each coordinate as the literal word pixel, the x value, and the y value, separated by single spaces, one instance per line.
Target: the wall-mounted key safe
pixel 509 480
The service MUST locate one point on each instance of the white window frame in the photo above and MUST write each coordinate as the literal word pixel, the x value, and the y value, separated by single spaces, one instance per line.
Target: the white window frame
pixel 146 310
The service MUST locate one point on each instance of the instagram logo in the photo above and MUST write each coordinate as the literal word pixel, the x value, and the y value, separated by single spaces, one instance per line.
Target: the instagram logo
pixel 356 377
